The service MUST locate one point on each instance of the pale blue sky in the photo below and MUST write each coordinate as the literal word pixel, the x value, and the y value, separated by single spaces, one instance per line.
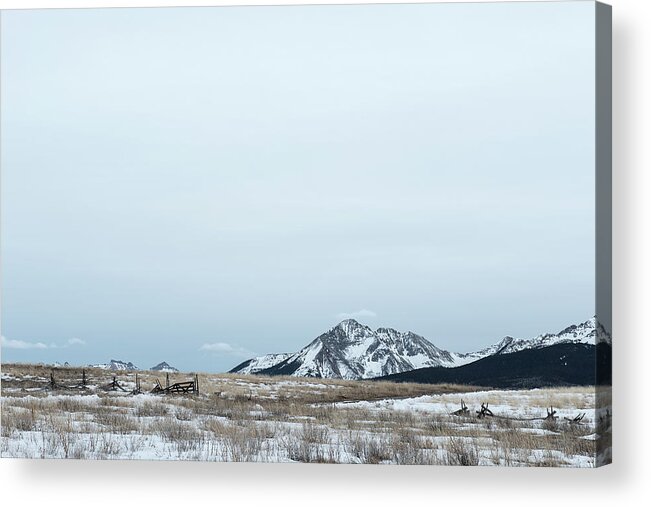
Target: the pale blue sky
pixel 245 177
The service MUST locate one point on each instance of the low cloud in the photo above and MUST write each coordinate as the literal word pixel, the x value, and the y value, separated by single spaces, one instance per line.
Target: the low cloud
pixel 359 314
pixel 20 344
pixel 25 345
pixel 226 349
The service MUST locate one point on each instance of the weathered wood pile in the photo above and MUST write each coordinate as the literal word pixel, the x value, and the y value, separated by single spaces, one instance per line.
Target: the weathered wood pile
pixel 188 387
pixel 114 386
pixel 54 384
pixel 462 411
pixel 484 411
pixel 137 389
pixel 575 420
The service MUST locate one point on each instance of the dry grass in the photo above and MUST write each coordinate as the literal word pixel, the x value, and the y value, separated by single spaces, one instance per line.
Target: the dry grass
pixel 249 418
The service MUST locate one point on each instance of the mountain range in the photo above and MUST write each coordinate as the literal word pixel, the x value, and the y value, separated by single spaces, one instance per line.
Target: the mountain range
pixel 119 365
pixel 116 365
pixel 351 350
pixel 561 364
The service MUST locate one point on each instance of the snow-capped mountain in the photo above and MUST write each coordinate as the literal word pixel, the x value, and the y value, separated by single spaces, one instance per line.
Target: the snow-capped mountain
pixel 259 363
pixel 579 333
pixel 164 367
pixel 116 365
pixel 351 350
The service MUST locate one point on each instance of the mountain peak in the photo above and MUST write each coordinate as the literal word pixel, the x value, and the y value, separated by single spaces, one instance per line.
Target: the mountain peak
pixel 164 367
pixel 352 350
pixel 350 327
pixel 126 363
pixel 116 364
pixel 349 323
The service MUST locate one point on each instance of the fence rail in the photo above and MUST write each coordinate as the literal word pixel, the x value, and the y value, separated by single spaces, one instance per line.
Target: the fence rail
pixel 186 387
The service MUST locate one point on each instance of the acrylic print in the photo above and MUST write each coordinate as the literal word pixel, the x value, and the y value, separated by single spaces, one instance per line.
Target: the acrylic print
pixel 374 234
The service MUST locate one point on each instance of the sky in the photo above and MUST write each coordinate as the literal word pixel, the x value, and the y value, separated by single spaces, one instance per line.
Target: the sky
pixel 201 185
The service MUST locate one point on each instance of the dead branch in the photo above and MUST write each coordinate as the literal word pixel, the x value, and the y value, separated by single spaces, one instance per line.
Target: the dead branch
pixel 114 386
pixel 575 420
pixel 485 411
pixel 137 390
pixel 551 414
pixel 462 411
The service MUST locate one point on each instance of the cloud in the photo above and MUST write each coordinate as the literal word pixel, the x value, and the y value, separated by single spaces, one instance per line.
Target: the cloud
pixel 25 345
pixel 20 344
pixel 217 347
pixel 359 314
pixel 222 348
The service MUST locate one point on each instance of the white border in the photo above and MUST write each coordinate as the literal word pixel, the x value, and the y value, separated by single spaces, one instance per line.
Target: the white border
pixel 95 484
pixel 44 4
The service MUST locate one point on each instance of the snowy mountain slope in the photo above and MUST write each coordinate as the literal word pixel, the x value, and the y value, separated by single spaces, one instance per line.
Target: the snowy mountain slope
pixel 351 350
pixel 116 365
pixel 260 363
pixel 164 367
pixel 579 333
pixel 561 364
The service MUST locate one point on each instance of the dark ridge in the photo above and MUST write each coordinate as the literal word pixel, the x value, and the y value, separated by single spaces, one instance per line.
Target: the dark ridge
pixel 285 367
pixel 243 364
pixel 564 364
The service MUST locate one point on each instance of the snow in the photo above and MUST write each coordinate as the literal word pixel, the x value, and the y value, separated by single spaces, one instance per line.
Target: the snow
pixel 164 367
pixel 262 362
pixel 353 351
pixel 116 365
pixel 521 404
pixel 257 433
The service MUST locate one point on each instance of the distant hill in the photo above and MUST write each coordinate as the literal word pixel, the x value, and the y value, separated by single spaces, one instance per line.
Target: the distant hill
pixel 563 364
pixel 119 365
pixel 116 365
pixel 164 367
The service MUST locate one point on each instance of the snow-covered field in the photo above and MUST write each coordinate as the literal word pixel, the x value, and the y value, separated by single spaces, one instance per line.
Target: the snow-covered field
pixel 246 418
